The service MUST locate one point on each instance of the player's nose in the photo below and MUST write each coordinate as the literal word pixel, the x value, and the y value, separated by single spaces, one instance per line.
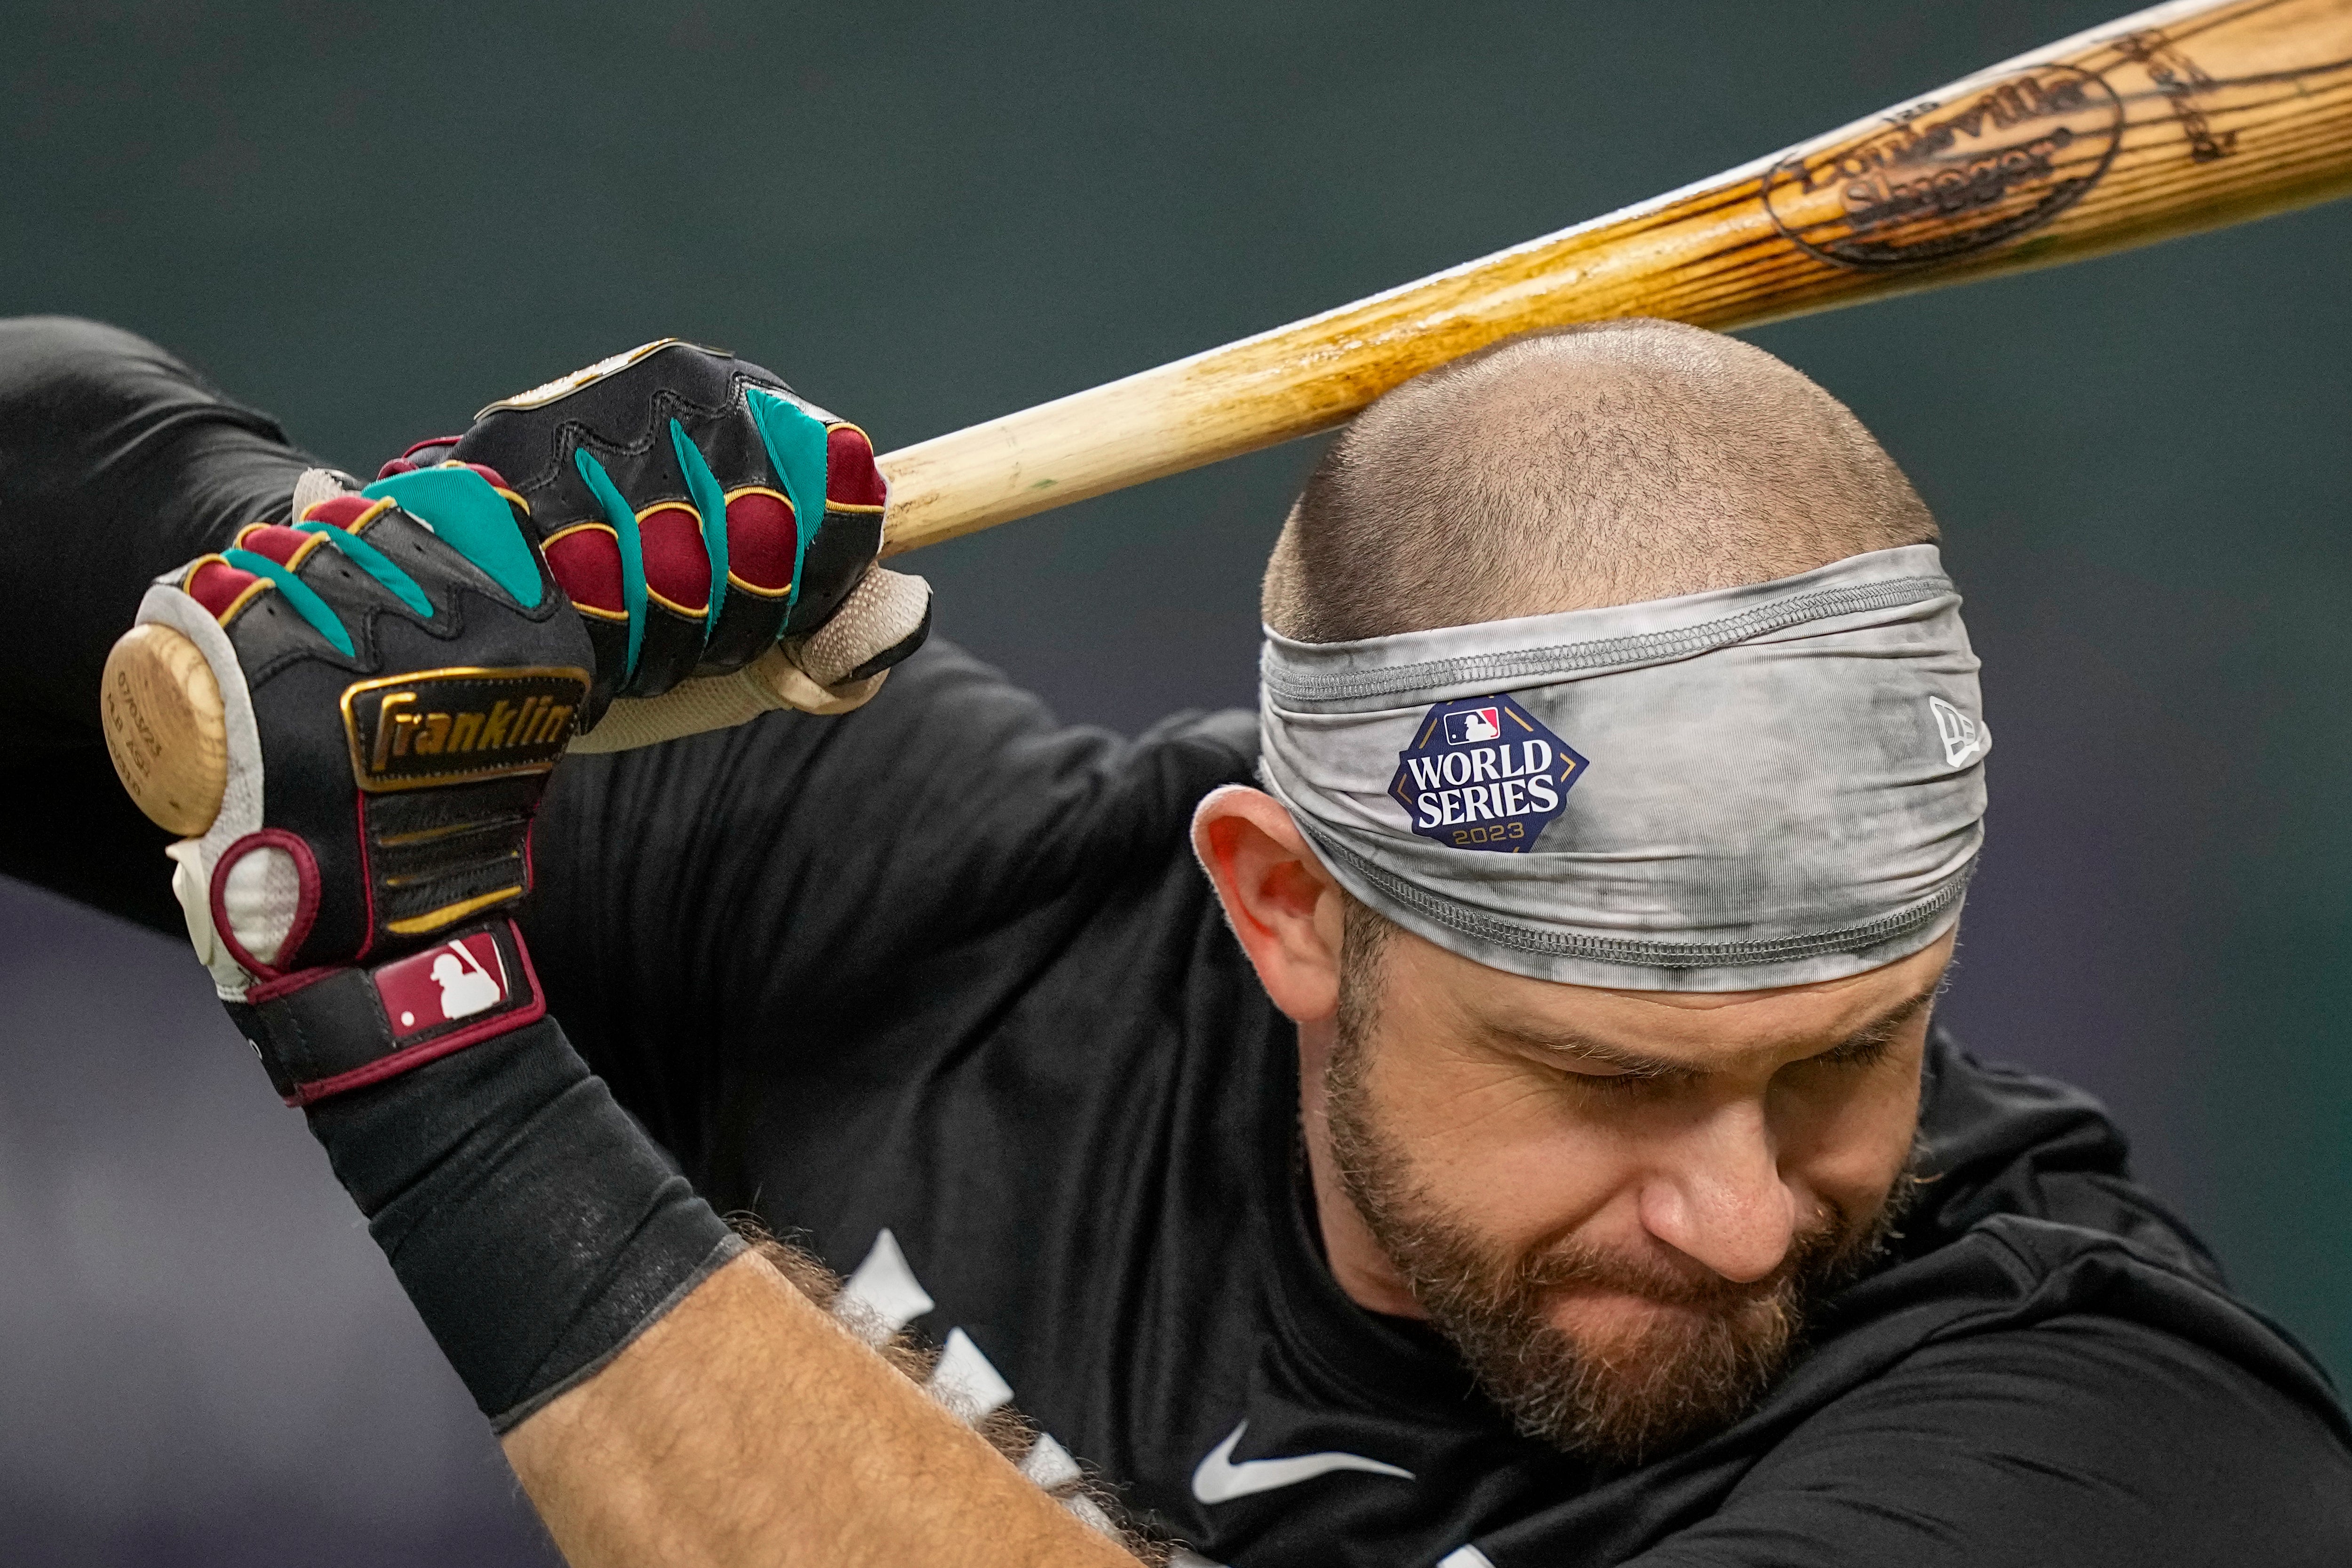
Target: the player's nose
pixel 1720 1199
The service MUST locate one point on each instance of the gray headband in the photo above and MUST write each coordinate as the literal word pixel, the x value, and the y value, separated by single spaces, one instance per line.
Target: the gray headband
pixel 1756 787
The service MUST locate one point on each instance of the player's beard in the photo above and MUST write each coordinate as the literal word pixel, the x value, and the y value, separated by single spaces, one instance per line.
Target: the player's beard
pixel 1684 1372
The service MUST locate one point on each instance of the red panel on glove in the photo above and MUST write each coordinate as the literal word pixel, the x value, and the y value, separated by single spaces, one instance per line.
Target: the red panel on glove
pixel 850 477
pixel 676 568
pixel 216 584
pixel 340 511
pixel 586 562
pixel 760 539
pixel 424 454
pixel 281 545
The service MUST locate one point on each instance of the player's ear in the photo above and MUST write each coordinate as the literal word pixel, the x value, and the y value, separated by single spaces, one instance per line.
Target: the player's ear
pixel 1281 902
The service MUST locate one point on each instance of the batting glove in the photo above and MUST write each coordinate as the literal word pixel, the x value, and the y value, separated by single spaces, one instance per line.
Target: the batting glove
pixel 700 515
pixel 398 672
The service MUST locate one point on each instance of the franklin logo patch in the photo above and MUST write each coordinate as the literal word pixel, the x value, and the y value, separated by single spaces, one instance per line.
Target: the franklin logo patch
pixel 1483 774
pixel 454 727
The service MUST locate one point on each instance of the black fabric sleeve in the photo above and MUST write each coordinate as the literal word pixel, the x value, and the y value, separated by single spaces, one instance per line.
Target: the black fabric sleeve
pixel 117 463
pixel 713 906
pixel 2091 1441
pixel 533 1225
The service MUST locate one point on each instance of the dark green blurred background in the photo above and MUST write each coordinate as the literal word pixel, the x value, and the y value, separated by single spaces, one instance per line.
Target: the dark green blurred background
pixel 370 219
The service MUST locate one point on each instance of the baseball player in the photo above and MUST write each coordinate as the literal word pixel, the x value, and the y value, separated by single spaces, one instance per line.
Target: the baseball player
pixel 1486 1108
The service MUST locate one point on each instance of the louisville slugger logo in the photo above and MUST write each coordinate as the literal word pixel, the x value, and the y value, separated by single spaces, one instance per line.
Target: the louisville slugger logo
pixel 1946 178
pixel 452 726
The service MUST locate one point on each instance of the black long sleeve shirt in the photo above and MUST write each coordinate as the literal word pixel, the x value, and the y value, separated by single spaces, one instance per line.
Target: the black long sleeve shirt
pixel 936 988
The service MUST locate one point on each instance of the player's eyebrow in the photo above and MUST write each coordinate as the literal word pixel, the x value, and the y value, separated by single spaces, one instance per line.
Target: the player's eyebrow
pixel 1585 1050
pixel 1883 1027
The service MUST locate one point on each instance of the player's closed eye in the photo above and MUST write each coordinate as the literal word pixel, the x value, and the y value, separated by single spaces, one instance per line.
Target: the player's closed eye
pixel 1855 1055
pixel 1608 1079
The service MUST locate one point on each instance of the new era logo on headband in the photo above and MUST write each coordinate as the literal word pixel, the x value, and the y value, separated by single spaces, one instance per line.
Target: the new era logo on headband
pixel 1963 737
pixel 1483 774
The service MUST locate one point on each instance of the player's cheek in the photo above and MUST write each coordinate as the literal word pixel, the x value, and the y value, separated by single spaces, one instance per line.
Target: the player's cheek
pixel 1846 1135
pixel 1507 1145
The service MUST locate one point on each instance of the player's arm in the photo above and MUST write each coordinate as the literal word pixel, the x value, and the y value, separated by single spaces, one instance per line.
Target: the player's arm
pixel 746 1426
pixel 398 670
pixel 2086 1439
pixel 116 462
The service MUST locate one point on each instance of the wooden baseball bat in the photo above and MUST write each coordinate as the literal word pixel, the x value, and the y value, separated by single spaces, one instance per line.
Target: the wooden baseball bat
pixel 2178 118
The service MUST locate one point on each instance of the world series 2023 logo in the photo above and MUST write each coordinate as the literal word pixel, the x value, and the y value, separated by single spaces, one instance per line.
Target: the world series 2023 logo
pixel 1483 773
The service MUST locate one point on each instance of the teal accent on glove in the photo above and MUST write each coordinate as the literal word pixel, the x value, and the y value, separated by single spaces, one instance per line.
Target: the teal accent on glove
pixel 795 442
pixel 375 563
pixel 470 515
pixel 298 593
pixel 711 502
pixel 632 551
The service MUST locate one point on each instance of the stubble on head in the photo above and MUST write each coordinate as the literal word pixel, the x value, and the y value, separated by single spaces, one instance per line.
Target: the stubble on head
pixel 1623 1398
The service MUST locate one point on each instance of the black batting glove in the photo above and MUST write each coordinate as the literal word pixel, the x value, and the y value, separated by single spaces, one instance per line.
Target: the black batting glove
pixel 698 514
pixel 399 673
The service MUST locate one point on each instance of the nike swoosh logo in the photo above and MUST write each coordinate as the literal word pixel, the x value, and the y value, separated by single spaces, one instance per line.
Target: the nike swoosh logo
pixel 1219 1480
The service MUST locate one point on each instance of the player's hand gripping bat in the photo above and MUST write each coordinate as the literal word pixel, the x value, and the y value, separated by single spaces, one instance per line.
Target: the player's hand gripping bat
pixel 2183 118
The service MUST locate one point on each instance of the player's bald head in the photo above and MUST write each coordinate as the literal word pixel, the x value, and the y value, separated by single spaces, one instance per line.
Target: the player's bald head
pixel 1594 466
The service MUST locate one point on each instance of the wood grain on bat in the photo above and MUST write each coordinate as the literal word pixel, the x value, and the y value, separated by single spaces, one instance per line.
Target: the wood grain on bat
pixel 165 728
pixel 2178 118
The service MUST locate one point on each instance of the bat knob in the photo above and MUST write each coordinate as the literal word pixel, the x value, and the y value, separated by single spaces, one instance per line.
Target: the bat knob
pixel 165 728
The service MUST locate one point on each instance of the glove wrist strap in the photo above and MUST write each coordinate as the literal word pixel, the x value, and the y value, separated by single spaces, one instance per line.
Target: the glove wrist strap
pixel 323 1032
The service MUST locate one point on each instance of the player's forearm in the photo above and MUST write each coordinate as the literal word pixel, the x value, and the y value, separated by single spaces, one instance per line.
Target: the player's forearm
pixel 665 1405
pixel 747 1428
